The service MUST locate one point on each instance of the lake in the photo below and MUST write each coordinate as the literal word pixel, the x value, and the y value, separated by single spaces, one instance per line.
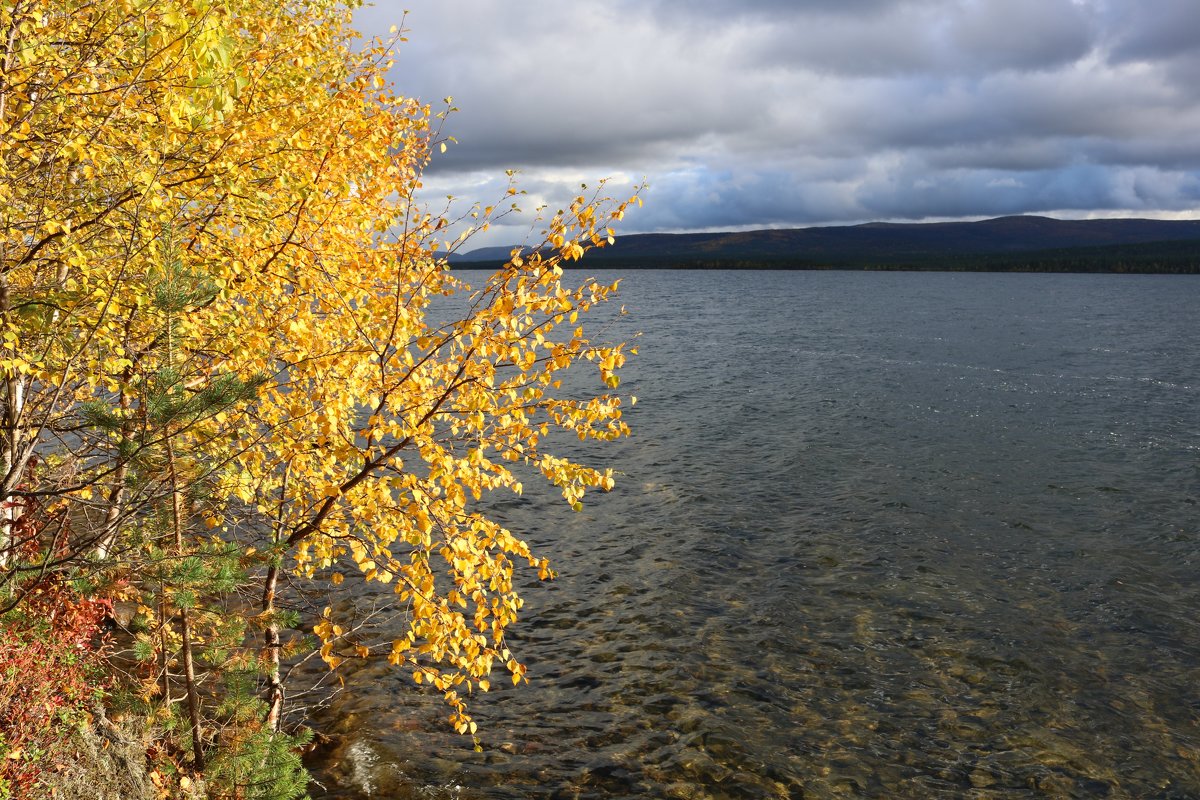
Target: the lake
pixel 897 535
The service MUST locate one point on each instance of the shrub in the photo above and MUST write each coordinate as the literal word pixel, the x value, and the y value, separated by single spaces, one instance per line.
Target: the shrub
pixel 48 675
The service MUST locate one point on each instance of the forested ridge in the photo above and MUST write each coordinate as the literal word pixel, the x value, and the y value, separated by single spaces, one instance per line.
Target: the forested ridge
pixel 1006 244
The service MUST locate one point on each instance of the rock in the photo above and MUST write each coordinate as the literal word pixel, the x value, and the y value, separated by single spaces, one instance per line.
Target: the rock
pixel 982 779
pixel 1055 785
pixel 123 612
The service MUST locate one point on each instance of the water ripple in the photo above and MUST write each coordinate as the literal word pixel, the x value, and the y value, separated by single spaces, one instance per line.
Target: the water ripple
pixel 877 535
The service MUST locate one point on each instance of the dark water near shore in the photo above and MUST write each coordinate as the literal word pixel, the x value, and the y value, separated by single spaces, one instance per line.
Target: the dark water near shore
pixel 877 535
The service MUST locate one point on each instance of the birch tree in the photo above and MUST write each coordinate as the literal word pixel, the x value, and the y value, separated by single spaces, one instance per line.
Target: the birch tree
pixel 255 154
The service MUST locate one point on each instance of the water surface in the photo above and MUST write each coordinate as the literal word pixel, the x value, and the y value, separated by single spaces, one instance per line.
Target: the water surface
pixel 876 535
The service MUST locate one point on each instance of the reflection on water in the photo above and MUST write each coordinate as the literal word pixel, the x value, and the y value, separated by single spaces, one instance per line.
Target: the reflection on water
pixel 878 535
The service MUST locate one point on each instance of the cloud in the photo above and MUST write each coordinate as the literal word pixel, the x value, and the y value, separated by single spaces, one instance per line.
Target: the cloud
pixel 1150 31
pixel 931 38
pixel 772 113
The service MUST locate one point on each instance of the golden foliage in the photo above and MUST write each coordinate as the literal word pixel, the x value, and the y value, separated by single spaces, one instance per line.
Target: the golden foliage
pixel 257 150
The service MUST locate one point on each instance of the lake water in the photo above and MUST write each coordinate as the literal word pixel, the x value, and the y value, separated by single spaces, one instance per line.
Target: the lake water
pixel 896 535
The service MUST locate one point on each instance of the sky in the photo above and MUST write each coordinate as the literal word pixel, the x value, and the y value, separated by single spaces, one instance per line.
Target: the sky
pixel 746 114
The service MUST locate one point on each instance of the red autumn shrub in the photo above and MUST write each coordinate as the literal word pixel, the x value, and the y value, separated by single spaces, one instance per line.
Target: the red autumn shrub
pixel 48 660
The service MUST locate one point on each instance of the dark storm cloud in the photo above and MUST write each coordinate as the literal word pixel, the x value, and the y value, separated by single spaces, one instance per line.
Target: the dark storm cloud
pixel 1152 31
pixel 940 39
pixel 761 113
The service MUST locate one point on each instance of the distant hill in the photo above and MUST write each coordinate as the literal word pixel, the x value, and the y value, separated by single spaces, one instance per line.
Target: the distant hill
pixel 1023 243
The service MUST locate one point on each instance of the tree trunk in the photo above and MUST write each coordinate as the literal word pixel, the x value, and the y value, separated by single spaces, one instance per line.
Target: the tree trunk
pixel 178 518
pixel 273 645
pixel 12 459
pixel 272 641
pixel 116 496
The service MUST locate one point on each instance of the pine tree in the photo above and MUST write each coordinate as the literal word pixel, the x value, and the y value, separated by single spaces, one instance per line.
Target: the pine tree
pixel 254 761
